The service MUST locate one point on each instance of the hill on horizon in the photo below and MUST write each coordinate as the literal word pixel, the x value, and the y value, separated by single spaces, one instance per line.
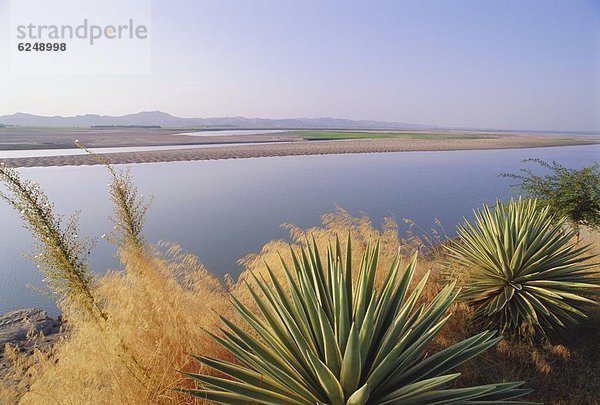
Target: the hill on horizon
pixel 159 118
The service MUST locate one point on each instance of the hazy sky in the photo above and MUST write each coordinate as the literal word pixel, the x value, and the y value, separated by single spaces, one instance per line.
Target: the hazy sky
pixel 495 64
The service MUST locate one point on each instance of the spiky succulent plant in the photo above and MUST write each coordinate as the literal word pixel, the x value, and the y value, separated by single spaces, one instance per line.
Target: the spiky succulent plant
pixel 525 272
pixel 329 339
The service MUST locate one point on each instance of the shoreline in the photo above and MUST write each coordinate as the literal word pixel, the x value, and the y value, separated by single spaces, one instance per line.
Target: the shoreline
pixel 299 148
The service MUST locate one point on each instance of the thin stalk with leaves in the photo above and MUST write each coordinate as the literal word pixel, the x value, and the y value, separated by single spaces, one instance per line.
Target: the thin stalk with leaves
pixel 60 253
pixel 130 207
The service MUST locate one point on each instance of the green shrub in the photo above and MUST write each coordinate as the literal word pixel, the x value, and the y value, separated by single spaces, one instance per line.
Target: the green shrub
pixel 571 193
pixel 524 271
pixel 332 340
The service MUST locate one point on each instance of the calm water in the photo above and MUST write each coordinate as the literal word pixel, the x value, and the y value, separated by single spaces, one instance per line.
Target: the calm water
pixel 223 210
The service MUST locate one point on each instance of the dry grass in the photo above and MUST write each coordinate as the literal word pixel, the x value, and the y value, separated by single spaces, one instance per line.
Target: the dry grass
pixel 157 309
pixel 160 304
pixel 16 380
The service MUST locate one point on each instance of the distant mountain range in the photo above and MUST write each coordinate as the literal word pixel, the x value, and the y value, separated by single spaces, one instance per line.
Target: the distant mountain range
pixel 154 118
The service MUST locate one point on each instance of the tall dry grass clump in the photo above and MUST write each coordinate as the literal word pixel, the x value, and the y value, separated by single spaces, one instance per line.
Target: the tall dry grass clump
pixel 129 332
pixel 336 224
pixel 158 308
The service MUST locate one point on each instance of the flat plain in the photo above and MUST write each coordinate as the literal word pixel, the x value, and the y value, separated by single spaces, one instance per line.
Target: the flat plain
pixel 251 145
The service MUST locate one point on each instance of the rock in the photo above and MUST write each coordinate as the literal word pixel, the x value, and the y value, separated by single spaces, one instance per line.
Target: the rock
pixel 17 326
pixel 26 330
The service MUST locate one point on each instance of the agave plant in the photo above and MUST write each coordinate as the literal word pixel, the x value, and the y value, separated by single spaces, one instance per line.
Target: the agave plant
pixel 329 339
pixel 526 273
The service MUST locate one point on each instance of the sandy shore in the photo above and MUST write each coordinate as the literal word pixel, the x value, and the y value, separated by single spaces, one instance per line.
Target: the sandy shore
pixel 302 148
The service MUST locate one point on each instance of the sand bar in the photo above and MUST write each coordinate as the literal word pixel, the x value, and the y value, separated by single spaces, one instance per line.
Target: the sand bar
pixel 303 148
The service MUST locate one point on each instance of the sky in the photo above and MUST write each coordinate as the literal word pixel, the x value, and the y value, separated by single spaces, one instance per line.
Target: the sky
pixel 506 64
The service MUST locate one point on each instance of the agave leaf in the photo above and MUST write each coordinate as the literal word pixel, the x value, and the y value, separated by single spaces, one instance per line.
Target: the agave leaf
pixel 413 391
pixel 263 363
pixel 266 355
pixel 392 294
pixel 402 355
pixel 247 376
pixel 366 329
pixel 351 364
pixel 329 382
pixel 348 271
pixel 447 359
pixel 291 315
pixel 401 324
pixel 360 396
pixel 248 391
pixel 333 357
pixel 483 394
pixel 219 397
pixel 271 333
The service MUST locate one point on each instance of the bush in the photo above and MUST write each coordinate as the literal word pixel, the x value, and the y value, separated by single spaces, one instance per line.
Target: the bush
pixel 524 272
pixel 571 193
pixel 336 340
